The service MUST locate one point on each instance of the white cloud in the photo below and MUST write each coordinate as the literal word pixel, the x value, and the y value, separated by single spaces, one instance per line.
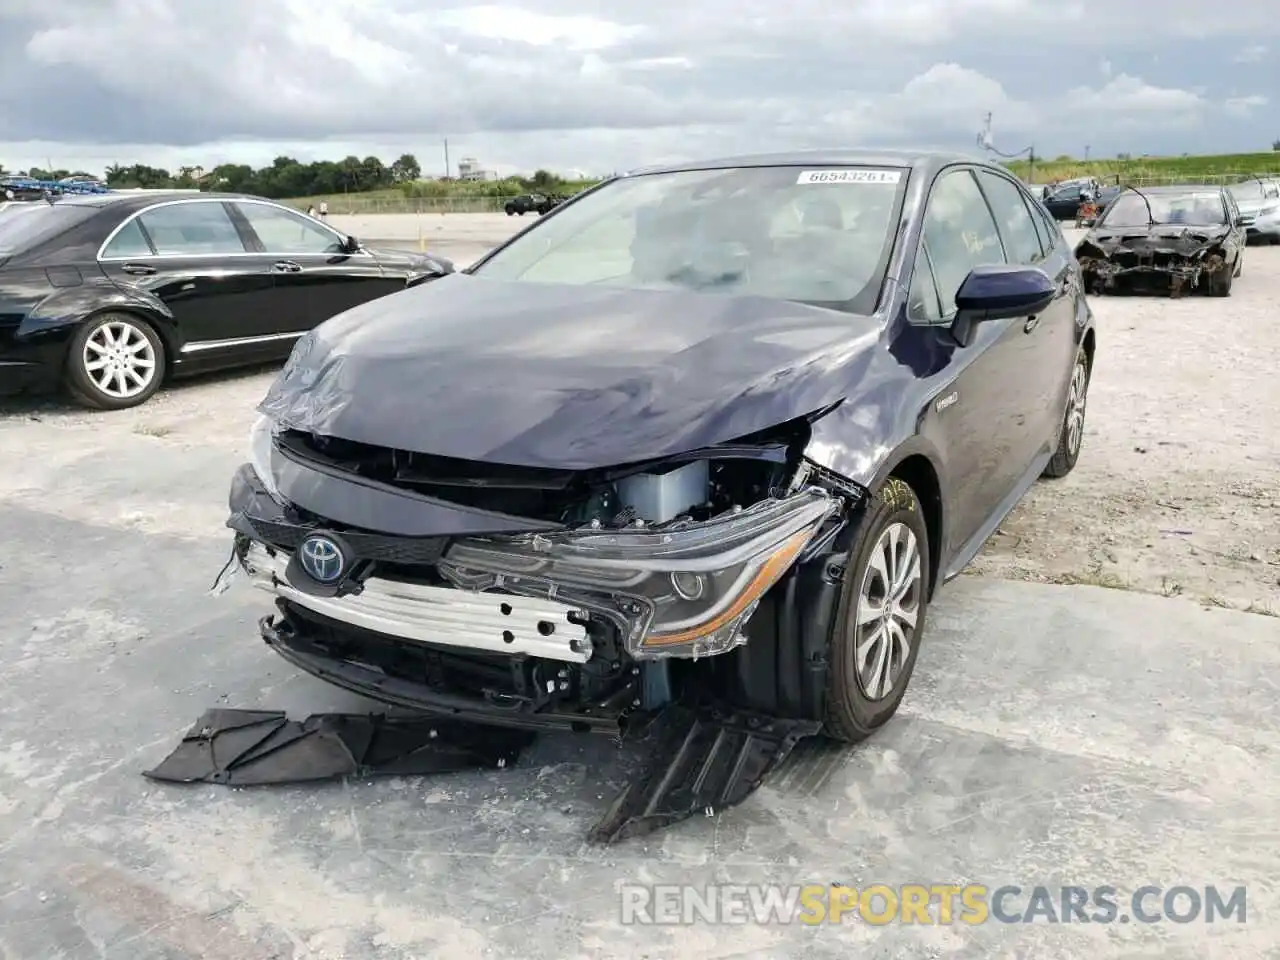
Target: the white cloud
pixel 1244 106
pixel 1252 53
pixel 585 83
pixel 1128 98
pixel 525 26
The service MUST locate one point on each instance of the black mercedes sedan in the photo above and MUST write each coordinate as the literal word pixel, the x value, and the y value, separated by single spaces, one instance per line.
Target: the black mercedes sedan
pixel 109 294
pixel 710 429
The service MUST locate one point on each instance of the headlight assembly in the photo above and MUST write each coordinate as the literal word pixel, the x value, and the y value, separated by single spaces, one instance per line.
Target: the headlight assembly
pixel 684 590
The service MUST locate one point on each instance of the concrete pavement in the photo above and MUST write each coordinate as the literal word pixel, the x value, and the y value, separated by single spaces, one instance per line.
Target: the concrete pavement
pixel 1053 736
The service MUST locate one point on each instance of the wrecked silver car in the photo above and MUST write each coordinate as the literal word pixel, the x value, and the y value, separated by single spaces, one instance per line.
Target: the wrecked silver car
pixel 1169 239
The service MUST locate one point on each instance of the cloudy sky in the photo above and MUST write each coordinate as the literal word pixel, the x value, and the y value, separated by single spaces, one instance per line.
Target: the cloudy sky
pixel 598 86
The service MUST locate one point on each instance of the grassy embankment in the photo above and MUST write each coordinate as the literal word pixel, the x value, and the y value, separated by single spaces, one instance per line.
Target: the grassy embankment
pixel 428 195
pixel 1156 169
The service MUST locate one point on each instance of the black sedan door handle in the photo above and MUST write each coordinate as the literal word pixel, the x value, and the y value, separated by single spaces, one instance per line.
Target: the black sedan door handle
pixel 138 269
pixel 286 266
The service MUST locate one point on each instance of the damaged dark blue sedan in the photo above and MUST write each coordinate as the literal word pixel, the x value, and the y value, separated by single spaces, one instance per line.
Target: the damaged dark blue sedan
pixel 705 433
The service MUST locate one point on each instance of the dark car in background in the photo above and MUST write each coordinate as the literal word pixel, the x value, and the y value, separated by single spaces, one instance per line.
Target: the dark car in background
pixel 1063 200
pixel 109 294
pixel 713 430
pixel 21 188
pixel 1172 239
pixel 531 203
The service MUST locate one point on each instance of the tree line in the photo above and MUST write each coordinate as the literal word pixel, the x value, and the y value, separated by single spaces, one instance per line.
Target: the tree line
pixel 287 177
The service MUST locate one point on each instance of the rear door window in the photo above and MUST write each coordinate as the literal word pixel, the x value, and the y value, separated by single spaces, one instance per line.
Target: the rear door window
pixel 192 229
pixel 1021 240
pixel 129 242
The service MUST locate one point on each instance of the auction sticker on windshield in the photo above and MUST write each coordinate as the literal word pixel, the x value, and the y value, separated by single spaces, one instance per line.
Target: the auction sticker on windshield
pixel 850 176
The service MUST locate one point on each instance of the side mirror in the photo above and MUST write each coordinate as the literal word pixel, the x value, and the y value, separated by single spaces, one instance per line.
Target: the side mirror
pixel 352 245
pixel 999 292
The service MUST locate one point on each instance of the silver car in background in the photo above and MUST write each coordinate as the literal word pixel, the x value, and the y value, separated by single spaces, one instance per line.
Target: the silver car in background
pixel 1259 203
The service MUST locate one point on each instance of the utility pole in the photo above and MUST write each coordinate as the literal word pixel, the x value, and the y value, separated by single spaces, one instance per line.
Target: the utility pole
pixel 984 138
pixel 446 158
pixel 1086 153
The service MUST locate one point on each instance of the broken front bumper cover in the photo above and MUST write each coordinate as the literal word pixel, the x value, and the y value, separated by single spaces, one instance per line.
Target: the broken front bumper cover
pixel 682 590
pixel 300 643
pixel 697 759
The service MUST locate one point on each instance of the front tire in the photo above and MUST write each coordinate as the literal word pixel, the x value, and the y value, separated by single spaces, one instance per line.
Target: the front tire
pixel 881 616
pixel 1071 436
pixel 116 361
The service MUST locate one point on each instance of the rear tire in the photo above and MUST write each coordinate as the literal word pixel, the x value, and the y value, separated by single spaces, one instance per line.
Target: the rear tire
pixel 116 361
pixel 881 616
pixel 1071 436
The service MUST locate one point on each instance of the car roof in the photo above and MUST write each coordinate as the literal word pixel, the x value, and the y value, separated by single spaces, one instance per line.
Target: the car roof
pixel 926 161
pixel 128 200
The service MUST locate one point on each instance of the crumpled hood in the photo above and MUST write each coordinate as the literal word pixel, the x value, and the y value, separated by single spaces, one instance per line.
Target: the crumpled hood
pixel 1172 238
pixel 571 377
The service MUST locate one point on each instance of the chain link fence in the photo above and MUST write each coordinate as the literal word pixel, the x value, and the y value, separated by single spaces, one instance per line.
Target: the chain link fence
pixel 361 206
pixel 1225 179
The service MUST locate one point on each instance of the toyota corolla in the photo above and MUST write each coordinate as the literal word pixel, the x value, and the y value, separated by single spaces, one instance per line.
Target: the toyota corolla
pixel 711 429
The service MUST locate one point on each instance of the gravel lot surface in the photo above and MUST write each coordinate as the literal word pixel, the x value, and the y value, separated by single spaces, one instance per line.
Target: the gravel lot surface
pixel 1177 490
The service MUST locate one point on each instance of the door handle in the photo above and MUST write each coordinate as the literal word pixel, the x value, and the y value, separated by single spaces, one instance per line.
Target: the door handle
pixel 1031 324
pixel 138 269
pixel 285 266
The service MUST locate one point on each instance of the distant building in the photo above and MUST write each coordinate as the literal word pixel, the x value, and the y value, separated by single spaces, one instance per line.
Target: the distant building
pixel 469 169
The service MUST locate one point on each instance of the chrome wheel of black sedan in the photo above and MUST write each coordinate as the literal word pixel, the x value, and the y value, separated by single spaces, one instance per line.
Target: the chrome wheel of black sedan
pixel 107 295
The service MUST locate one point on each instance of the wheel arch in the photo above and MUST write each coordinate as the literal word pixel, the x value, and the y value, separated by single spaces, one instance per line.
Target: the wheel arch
pixel 919 473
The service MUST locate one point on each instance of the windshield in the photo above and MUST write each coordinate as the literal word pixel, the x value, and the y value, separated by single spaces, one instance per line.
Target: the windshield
pixel 815 236
pixel 1129 210
pixel 24 225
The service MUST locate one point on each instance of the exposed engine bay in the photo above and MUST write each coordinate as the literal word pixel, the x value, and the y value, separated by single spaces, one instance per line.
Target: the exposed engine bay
pixel 623 568
pixel 1178 259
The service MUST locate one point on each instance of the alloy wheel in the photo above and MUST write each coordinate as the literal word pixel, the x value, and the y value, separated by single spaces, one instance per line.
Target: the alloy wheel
pixel 1076 400
pixel 888 609
pixel 119 360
